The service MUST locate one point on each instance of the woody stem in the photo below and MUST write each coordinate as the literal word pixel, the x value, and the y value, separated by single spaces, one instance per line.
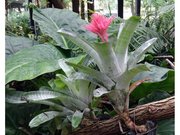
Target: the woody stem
pixel 130 124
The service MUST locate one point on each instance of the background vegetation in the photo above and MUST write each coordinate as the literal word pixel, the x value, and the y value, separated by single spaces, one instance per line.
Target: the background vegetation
pixel 40 94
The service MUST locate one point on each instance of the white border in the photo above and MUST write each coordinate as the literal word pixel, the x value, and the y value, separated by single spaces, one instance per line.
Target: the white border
pixel 177 66
pixel 2 67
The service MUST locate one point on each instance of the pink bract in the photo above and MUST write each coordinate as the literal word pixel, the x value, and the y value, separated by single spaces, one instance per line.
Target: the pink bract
pixel 99 25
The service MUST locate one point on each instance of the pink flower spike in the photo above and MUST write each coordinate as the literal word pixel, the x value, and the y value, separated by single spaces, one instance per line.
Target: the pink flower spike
pixel 99 25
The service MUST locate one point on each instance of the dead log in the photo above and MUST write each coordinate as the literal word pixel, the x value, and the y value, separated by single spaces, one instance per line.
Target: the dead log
pixel 154 111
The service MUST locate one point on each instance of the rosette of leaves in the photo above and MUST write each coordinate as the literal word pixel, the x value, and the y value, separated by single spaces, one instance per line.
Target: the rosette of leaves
pixel 69 99
pixel 117 66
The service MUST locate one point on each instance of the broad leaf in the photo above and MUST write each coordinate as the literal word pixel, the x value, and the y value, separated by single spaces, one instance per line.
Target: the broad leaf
pixel 166 127
pixel 154 96
pixel 44 117
pixel 50 20
pixel 148 87
pixel 155 73
pixel 15 44
pixel 123 41
pixel 161 79
pixel 32 62
pixel 106 81
pixel 76 119
pixel 139 52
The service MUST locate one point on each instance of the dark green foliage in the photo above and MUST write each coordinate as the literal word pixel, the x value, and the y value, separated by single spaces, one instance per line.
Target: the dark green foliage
pixel 154 96
pixel 166 127
pixel 161 79
pixel 16 121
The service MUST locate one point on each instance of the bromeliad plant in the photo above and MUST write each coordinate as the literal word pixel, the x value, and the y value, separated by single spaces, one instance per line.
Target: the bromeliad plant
pixel 117 67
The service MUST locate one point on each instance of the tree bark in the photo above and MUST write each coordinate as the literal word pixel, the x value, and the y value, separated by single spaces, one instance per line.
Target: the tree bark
pixel 57 3
pixel 132 7
pixel 82 9
pixel 158 110
pixel 90 8
pixel 75 6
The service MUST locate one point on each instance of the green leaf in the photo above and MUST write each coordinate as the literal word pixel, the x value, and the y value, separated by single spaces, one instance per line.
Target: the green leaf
pixel 15 44
pixel 50 20
pixel 103 78
pixel 166 127
pixel 44 117
pixel 76 119
pixel 17 97
pixel 76 60
pixel 154 96
pixel 85 90
pixel 139 52
pixel 161 79
pixel 52 104
pixel 73 103
pixel 57 84
pixel 108 60
pixel 81 86
pixel 68 70
pixel 72 99
pixel 123 40
pixel 32 62
pixel 101 53
pixel 124 80
pixel 82 76
pixel 155 73
pixel 38 97
pixel 88 48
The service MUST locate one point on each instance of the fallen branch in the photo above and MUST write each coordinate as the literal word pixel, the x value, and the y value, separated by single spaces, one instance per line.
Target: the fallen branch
pixel 154 111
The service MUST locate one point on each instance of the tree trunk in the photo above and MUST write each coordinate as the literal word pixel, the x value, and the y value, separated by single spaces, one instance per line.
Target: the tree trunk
pixel 90 8
pixel 57 3
pixel 75 6
pixel 82 9
pixel 138 7
pixel 120 8
pixel 158 110
pixel 6 7
pixel 132 8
